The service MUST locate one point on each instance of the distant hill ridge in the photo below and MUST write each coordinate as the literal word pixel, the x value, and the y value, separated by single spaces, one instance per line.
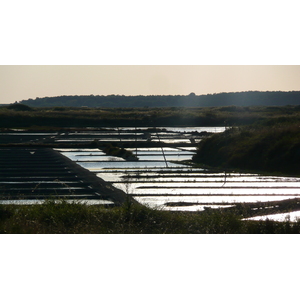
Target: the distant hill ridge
pixel 250 98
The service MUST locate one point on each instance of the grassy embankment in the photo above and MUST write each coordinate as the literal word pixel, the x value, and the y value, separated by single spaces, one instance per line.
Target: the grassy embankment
pixel 269 147
pixel 63 217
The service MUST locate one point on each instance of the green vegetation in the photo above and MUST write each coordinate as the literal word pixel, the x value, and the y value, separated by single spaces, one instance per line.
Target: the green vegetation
pixel 62 117
pixel 266 148
pixel 19 107
pixel 63 217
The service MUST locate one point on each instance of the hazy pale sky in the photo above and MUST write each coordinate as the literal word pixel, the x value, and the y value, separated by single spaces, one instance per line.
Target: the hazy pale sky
pixel 158 47
pixel 23 82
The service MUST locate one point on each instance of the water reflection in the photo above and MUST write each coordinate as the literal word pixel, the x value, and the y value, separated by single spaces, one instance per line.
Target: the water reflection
pixel 290 216
pixel 98 166
pixel 153 184
pixel 35 201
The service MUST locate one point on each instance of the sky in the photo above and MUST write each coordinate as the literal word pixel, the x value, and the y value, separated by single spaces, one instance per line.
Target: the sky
pixel 21 82
pixel 54 48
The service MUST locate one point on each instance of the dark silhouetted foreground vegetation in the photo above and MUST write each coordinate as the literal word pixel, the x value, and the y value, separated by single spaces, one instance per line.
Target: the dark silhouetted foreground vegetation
pixel 267 148
pixel 131 218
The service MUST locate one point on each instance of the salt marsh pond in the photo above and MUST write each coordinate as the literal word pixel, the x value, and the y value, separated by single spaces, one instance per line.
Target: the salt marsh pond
pixel 160 179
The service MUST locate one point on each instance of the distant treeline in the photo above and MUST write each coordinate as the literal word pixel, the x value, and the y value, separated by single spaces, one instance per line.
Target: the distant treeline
pixel 251 98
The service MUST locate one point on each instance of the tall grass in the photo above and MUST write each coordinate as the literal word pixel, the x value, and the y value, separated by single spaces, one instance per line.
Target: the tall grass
pixel 62 217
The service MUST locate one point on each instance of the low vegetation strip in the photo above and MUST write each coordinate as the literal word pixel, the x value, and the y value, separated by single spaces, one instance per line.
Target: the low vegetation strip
pixel 62 117
pixel 130 218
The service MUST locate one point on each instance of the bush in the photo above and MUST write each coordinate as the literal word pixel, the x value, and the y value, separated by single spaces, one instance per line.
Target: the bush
pixel 257 148
pixel 19 107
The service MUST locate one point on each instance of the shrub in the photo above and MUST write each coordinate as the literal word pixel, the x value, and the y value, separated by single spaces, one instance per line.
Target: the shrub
pixel 19 107
pixel 258 148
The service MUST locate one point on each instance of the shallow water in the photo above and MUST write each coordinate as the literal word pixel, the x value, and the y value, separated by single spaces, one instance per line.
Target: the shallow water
pixel 27 133
pixel 155 183
pixel 167 151
pixel 35 201
pixel 98 166
pixel 229 199
pixel 143 190
pixel 292 216
pixel 175 129
pixel 193 129
pixel 170 158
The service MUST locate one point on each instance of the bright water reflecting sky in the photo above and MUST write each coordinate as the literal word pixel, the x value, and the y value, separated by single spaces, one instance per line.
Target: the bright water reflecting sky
pixel 292 216
pixel 181 184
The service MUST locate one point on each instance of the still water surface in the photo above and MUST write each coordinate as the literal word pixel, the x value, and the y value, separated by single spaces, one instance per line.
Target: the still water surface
pixel 156 182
